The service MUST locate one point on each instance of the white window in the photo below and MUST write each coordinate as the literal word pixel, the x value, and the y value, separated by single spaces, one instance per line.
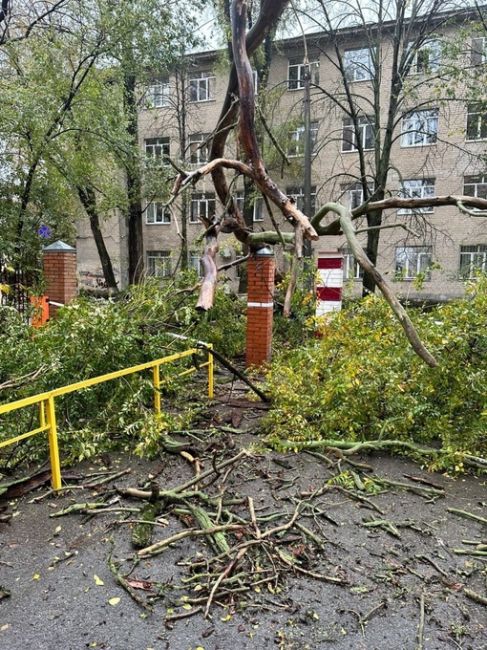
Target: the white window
pixel 473 261
pixel 479 50
pixel 258 214
pixel 201 87
pixel 202 206
pixel 475 186
pixel 421 188
pixel 297 195
pixel 412 261
pixel 351 268
pixel 255 80
pixel 297 73
pixel 419 128
pixel 159 264
pixel 476 121
pixel 359 64
pixel 157 213
pixel 195 262
pixel 427 58
pixel 354 194
pixel 158 150
pixel 297 140
pixel 363 136
pixel 158 93
pixel 199 148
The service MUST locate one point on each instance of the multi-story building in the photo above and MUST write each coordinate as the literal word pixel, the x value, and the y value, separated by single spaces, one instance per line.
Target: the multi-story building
pixel 437 149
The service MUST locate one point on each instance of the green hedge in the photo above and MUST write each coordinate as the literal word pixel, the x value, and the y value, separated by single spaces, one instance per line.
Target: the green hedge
pixel 361 380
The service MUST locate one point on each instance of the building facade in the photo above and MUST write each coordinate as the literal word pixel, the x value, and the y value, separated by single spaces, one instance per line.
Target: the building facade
pixel 437 149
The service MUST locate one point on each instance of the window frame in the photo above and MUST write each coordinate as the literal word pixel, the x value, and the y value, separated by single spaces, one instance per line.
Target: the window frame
pixel 150 149
pixel 350 264
pixel 296 138
pixel 165 215
pixel 297 83
pixel 481 122
pixel 475 180
pixel 296 192
pixel 204 79
pixel 164 93
pixel 478 56
pixel 206 198
pixel 425 183
pixel 365 123
pixel 420 251
pixel 432 65
pixel 473 268
pixel 158 255
pixel 410 131
pixel 198 155
pixel 357 66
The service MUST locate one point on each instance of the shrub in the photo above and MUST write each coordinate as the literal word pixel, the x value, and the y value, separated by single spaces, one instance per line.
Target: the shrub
pixel 91 337
pixel 361 380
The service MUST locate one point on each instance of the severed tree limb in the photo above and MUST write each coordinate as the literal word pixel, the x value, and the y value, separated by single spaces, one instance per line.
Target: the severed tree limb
pixel 387 292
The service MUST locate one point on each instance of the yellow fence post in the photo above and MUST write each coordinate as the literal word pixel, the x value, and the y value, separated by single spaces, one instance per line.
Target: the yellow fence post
pixel 157 388
pixel 53 445
pixel 42 413
pixel 211 380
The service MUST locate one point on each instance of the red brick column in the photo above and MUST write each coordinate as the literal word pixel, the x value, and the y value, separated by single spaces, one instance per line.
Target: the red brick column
pixel 260 305
pixel 59 262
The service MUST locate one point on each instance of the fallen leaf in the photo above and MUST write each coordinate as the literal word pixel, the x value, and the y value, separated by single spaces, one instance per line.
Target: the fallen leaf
pixel 98 581
pixel 36 576
pixel 4 627
pixel 114 601
pixel 146 585
pixel 187 606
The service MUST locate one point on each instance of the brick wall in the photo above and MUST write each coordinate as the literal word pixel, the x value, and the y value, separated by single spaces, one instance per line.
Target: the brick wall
pixel 60 275
pixel 260 271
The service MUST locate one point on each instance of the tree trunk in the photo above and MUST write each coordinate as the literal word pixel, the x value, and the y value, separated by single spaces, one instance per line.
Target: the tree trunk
pixel 88 200
pixel 134 186
pixel 374 219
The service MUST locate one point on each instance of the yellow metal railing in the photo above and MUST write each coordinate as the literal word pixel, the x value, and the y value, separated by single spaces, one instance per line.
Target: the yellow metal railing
pixel 47 411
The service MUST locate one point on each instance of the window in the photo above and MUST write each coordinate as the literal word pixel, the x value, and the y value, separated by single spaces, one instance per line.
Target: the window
pixel 473 260
pixel 355 194
pixel 297 140
pixel 421 188
pixel 157 213
pixel 475 186
pixel 199 148
pixel 359 64
pixel 159 264
pixel 351 268
pixel 419 128
pixel 479 50
pixel 255 81
pixel 476 121
pixel 297 73
pixel 158 150
pixel 426 58
pixel 201 87
pixel 412 261
pixel 202 206
pixel 258 214
pixel 364 136
pixel 158 93
pixel 297 194
pixel 195 262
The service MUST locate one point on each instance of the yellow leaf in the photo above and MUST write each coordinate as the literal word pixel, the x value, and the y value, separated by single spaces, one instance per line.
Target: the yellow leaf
pixel 98 581
pixel 114 601
pixel 187 606
pixel 36 576
pixel 226 618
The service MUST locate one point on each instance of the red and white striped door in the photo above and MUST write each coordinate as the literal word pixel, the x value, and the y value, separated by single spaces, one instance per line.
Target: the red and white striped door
pixel 330 283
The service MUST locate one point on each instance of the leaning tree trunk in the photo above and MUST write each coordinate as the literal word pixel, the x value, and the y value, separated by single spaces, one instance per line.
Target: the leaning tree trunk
pixel 87 197
pixel 374 219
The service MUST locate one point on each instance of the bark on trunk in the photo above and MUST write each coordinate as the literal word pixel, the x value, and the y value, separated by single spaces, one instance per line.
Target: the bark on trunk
pixel 87 197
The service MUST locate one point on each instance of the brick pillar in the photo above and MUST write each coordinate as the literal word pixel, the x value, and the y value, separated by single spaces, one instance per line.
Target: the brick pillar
pixel 260 293
pixel 59 262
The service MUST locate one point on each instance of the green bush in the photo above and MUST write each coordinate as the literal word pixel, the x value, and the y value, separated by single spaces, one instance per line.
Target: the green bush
pixel 361 380
pixel 92 337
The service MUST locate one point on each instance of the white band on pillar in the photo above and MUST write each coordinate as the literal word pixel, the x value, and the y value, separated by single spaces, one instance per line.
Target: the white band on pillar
pixel 260 304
